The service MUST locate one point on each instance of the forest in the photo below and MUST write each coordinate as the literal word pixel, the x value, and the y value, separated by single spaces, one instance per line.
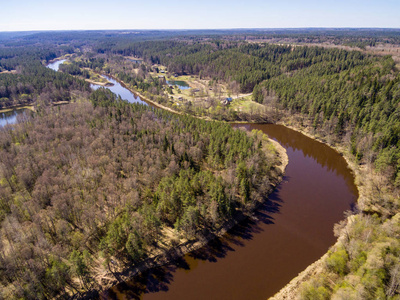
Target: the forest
pixel 28 81
pixel 73 177
pixel 101 181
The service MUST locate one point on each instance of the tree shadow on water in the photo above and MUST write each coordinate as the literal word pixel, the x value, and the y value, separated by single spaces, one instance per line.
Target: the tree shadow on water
pixel 151 281
pixel 219 247
pixel 159 279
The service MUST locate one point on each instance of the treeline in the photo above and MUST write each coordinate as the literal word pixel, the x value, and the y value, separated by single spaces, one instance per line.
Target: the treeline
pixel 87 185
pixel 360 38
pixel 103 38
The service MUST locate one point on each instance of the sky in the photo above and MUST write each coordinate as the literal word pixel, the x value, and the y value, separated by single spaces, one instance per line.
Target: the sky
pixel 31 15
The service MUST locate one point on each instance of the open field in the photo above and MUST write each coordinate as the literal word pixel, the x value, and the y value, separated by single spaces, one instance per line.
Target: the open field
pixel 203 92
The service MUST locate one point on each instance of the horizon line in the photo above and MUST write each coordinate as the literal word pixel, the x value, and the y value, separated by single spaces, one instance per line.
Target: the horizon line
pixel 203 29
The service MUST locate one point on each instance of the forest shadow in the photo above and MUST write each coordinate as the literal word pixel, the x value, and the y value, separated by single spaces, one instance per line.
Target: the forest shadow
pixel 150 281
pixel 219 247
pixel 159 279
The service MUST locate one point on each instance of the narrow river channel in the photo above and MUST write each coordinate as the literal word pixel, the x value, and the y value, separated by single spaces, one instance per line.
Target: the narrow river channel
pixel 257 258
pixel 121 91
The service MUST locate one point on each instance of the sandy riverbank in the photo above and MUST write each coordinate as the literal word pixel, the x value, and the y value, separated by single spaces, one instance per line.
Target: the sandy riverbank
pixel 99 83
pixel 30 107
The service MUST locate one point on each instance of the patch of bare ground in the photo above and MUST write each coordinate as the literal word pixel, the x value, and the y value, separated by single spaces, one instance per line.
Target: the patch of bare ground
pixel 17 107
pixel 9 72
pixel 98 83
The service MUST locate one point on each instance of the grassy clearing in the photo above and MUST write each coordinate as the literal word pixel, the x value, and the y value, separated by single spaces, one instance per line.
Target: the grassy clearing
pixel 247 105
pixel 201 92
pixel 134 58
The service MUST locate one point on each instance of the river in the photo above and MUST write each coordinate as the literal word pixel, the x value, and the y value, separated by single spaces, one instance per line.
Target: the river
pixel 258 257
pixel 116 88
pixel 56 64
pixel 10 117
pixel 120 90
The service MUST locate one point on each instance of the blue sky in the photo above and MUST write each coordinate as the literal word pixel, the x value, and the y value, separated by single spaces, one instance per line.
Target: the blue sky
pixel 21 15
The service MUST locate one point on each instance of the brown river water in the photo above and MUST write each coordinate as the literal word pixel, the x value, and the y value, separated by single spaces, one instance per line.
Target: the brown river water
pixel 260 256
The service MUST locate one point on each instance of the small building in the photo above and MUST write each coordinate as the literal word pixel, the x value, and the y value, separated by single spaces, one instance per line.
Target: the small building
pixel 227 101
